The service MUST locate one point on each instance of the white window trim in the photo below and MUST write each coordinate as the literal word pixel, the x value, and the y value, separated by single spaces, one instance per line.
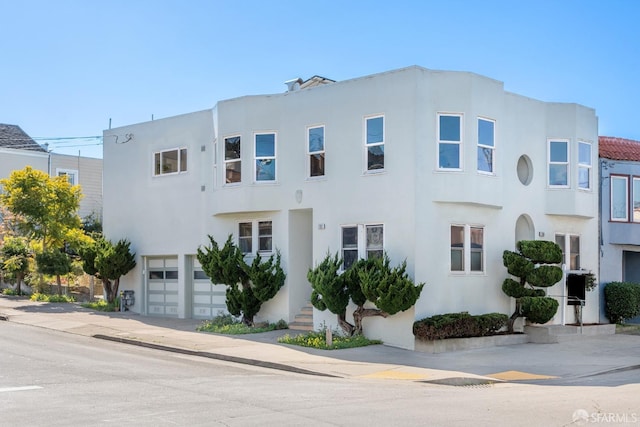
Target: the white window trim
pixel 179 171
pixel 375 144
pixel 626 213
pixel 566 251
pixel 634 180
pixel 67 172
pixel 274 157
pixel 460 143
pixel 362 238
pixel 225 161
pixel 323 151
pixel 466 251
pixel 255 237
pixel 492 148
pixel 589 166
pixel 567 163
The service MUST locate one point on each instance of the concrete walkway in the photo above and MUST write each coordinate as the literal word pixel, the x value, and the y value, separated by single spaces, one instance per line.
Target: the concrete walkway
pixel 520 362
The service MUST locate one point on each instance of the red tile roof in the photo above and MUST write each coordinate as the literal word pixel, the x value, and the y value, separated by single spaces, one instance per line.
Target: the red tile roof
pixel 614 148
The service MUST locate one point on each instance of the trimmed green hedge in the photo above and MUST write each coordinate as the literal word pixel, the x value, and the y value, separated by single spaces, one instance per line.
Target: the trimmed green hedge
pixel 622 301
pixel 459 325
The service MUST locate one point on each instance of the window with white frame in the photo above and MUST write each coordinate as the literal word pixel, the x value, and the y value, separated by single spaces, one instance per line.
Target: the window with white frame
pixel 584 165
pixel 265 156
pixel 264 232
pixel 70 174
pixel 570 246
pixel 558 163
pixel 486 146
pixel 232 160
pixel 374 128
pixel 467 248
pixel 364 241
pixel 636 200
pixel 450 141
pixel 170 161
pixel 619 198
pixel 315 147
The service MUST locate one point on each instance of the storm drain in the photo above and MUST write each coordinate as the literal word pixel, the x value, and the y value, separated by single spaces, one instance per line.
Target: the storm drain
pixel 464 382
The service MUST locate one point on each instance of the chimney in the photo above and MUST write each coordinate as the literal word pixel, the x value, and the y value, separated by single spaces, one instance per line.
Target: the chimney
pixel 293 84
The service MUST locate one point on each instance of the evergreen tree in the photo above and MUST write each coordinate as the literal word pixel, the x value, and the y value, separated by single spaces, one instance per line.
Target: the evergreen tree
pixel 534 267
pixel 54 263
pixel 14 255
pixel 389 288
pixel 108 262
pixel 248 285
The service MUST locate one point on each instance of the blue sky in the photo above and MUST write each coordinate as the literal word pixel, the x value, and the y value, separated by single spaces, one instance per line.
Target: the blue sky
pixel 69 67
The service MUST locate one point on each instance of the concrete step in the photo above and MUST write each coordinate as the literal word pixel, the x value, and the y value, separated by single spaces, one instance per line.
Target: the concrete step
pixel 301 326
pixel 303 321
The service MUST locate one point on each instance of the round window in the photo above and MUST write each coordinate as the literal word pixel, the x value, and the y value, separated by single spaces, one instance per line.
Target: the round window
pixel 525 169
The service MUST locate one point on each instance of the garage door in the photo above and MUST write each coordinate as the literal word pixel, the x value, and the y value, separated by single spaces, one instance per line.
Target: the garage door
pixel 208 299
pixel 162 287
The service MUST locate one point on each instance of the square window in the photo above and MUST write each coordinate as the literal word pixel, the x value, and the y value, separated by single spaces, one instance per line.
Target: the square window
pixel 265 157
pixel 265 240
pixel 449 141
pixel 375 143
pixel 558 163
pixel 486 146
pixel 315 145
pixel 457 248
pixel 245 232
pixel 170 161
pixel 349 246
pixel 232 160
pixel 375 241
pixel 619 198
pixel 584 165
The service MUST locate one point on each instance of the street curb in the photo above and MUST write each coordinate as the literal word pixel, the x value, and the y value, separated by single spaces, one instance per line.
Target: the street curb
pixel 234 359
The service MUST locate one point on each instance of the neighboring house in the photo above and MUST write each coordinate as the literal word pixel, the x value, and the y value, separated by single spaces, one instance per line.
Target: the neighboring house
pixel 86 172
pixel 443 169
pixel 619 212
pixel 17 150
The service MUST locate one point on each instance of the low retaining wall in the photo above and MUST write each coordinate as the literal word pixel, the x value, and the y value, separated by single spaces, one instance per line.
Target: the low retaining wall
pixel 458 344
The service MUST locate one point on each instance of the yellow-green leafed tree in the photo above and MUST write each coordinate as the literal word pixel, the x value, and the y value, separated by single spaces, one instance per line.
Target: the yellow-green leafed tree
pixel 45 208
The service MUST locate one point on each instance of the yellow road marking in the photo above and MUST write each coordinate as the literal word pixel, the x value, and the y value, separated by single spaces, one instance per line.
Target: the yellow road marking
pixel 517 375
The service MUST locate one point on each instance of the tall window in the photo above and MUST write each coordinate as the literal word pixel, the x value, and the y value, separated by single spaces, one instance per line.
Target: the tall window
pixel 449 141
pixel 375 142
pixel 375 246
pixel 349 246
pixel 457 248
pixel 558 163
pixel 486 145
pixel 315 146
pixel 584 165
pixel 619 198
pixel 368 244
pixel 636 199
pixel 262 229
pixel 265 157
pixel 467 248
pixel 232 160
pixel 477 248
pixel 571 254
pixel 170 161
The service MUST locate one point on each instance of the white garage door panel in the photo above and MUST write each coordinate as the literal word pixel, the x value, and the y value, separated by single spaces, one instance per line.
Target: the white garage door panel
pixel 171 287
pixel 162 286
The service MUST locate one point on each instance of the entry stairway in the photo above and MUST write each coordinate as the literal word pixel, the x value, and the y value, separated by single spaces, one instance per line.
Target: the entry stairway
pixel 303 320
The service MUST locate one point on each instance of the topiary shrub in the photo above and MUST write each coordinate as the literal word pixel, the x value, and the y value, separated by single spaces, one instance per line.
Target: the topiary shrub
pixel 538 309
pixel 622 301
pixel 459 325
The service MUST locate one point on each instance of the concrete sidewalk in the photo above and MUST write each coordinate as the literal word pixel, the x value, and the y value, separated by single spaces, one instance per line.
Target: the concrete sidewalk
pixel 520 362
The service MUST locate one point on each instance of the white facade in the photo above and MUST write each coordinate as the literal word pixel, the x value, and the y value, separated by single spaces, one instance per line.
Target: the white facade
pixel 413 159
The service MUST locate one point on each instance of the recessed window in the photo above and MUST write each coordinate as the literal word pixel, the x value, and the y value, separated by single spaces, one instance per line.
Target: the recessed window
pixel 584 165
pixel 315 146
pixel 467 248
pixel 571 254
pixel 232 160
pixel 524 169
pixel 619 198
pixel 349 246
pixel 264 232
pixel 486 146
pixel 375 143
pixel 265 157
pixel 636 199
pixel 170 161
pixel 558 163
pixel 367 244
pixel 449 141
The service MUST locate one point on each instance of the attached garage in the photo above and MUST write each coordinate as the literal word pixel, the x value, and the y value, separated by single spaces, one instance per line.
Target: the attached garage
pixel 208 299
pixel 162 287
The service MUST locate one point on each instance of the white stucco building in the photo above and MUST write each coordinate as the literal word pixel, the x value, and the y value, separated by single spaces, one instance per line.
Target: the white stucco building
pixel 443 169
